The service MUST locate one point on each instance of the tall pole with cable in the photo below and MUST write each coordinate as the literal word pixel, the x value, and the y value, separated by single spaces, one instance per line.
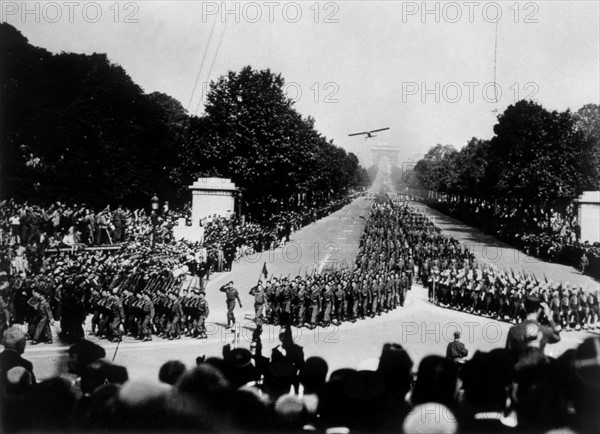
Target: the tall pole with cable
pixel 212 31
pixel 213 63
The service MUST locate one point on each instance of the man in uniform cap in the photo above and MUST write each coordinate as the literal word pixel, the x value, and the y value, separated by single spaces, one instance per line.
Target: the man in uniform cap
pixel 259 302
pixel 456 350
pixel 231 295
pixel 146 318
pixel 203 311
pixel 530 333
pixel 176 316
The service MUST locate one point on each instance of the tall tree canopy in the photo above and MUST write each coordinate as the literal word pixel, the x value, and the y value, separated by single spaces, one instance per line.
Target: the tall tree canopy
pixel 536 155
pixel 252 134
pixel 76 127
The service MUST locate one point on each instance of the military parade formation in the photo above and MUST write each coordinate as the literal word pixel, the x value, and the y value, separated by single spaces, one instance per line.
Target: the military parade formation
pixel 141 296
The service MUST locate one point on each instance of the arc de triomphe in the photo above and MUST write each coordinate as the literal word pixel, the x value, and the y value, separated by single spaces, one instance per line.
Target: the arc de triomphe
pixel 384 151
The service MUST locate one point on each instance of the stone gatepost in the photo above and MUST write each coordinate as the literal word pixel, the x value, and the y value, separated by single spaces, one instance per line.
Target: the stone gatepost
pixel 588 216
pixel 210 196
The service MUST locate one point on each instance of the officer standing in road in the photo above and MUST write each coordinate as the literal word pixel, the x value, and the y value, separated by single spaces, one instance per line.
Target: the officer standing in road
pixel 231 295
pixel 456 350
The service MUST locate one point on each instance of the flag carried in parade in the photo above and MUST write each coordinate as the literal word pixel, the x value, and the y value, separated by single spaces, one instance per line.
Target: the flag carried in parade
pixel 263 272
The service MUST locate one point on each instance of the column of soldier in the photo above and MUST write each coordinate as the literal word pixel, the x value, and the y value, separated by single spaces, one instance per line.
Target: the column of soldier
pixel 378 282
pixel 501 294
pixel 145 304
pixel 142 303
pixel 459 283
pixel 132 292
pixel 397 241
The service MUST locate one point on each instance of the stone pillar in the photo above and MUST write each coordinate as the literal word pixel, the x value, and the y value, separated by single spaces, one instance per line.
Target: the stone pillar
pixel 588 216
pixel 210 196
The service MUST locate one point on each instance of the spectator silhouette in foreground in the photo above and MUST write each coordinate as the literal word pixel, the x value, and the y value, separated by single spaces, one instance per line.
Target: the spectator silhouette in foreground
pixel 436 382
pixel 586 385
pixel 487 379
pixel 171 371
pixel 14 342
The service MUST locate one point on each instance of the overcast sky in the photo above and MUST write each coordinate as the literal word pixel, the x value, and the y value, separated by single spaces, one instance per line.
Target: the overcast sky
pixel 351 65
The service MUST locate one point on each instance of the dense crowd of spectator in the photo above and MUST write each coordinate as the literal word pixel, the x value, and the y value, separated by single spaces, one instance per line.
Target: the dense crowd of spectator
pixel 547 234
pixel 513 389
pixel 27 231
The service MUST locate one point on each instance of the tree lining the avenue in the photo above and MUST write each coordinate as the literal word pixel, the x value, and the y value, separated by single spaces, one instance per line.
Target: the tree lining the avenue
pixel 536 156
pixel 76 127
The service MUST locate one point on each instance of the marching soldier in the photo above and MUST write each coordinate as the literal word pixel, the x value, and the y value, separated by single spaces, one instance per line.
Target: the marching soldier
pixel 285 303
pixel 115 304
pixel 42 331
pixel 583 309
pixel 95 307
pixel 555 308
pixel 189 312
pixel 259 302
pixel 176 314
pixel 146 316
pixel 301 297
pixel 353 302
pixel 365 299
pixel 328 300
pixel 129 324
pixel 375 294
pixel 564 307
pixel 340 299
pixel 162 309
pixel 203 311
pixel 105 313
pixel 574 310
pixel 314 305
pixel 269 301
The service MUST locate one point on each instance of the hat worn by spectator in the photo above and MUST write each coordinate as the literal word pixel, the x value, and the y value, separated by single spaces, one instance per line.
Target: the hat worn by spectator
pixel 171 371
pixel 82 354
pixel 313 373
pixel 102 372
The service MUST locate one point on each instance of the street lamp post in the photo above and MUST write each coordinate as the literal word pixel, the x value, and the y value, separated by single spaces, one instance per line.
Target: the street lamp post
pixel 154 217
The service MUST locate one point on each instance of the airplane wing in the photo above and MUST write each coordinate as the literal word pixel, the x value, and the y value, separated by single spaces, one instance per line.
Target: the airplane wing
pixel 380 129
pixel 359 134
